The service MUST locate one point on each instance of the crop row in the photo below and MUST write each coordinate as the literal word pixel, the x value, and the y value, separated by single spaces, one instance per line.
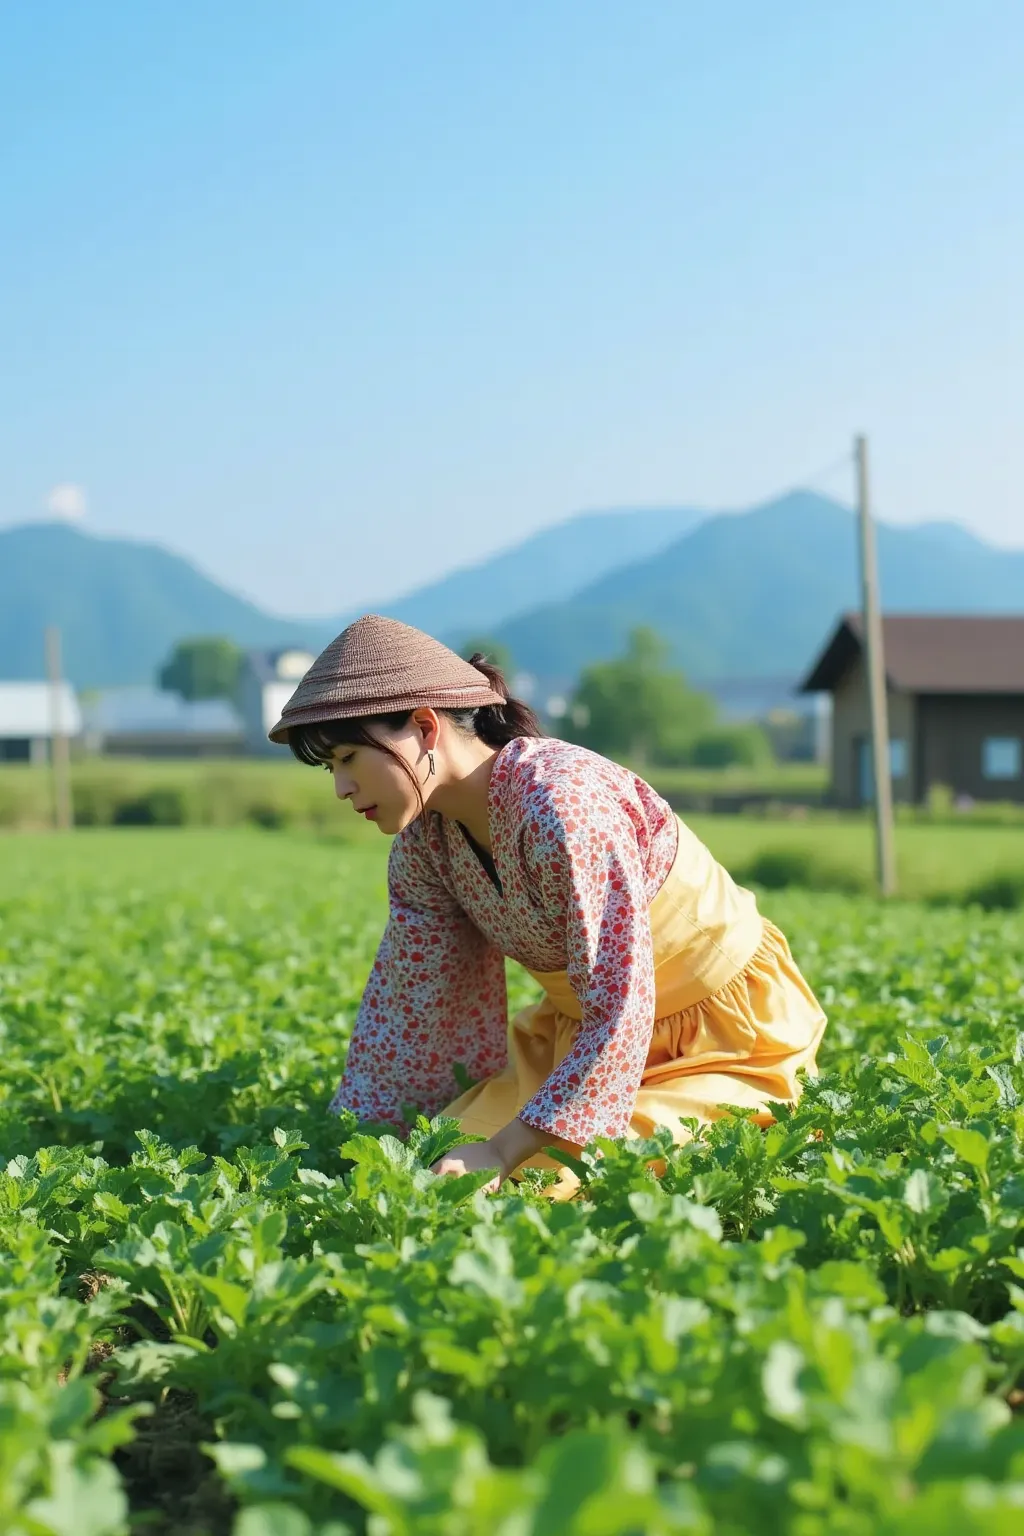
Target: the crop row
pixel 251 1318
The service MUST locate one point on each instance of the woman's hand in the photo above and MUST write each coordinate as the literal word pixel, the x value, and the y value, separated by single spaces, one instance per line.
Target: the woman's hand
pixel 503 1152
pixel 473 1157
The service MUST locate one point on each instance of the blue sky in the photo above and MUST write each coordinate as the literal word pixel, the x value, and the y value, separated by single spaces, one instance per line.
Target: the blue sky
pixel 331 297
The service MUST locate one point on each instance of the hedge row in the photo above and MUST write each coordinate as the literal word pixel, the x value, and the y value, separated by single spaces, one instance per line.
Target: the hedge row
pixel 822 852
pixel 108 793
pixel 787 868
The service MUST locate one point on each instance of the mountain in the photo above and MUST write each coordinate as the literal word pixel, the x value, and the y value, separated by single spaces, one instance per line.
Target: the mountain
pixel 120 606
pixel 544 568
pixel 754 594
pixel 738 595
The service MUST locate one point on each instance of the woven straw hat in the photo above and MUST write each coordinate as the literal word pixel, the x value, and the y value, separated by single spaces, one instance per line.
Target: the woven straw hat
pixel 376 666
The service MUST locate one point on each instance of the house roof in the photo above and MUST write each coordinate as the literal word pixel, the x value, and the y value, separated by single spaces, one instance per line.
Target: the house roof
pixel 144 711
pixel 931 653
pixel 25 711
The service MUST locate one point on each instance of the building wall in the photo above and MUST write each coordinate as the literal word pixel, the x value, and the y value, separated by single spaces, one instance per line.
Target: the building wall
pixel 937 740
pixel 250 706
pixel 260 704
pixel 952 731
pixel 27 749
pixel 275 696
pixel 851 728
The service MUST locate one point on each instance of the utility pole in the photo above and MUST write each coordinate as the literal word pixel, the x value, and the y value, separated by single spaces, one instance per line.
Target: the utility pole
pixel 875 655
pixel 59 765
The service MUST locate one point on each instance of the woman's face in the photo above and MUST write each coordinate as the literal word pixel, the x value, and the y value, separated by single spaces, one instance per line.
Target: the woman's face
pixel 376 785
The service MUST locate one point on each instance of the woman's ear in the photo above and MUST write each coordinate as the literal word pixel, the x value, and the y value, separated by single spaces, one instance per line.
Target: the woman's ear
pixel 428 726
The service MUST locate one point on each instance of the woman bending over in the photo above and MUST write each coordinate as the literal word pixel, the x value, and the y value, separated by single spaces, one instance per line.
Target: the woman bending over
pixel 666 993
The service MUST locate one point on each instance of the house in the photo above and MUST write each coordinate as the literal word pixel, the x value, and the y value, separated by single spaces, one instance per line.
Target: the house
pixel 147 722
pixel 955 688
pixel 268 680
pixel 27 723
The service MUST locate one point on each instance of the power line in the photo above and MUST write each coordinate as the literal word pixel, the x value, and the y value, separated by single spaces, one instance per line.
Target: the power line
pixel 819 479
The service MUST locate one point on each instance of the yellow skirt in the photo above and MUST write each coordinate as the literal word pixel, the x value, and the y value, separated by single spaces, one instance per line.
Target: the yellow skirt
pixel 742 1045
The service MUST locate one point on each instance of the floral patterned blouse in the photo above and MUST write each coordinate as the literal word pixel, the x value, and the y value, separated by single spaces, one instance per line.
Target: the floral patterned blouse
pixel 580 847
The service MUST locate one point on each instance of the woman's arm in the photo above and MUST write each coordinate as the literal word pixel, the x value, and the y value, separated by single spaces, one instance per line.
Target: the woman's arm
pixel 435 996
pixel 585 865
pixel 590 872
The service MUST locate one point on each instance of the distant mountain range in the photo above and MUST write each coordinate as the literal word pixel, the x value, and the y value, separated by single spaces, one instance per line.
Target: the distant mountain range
pixel 545 568
pixel 737 595
pixel 120 605
pixel 754 593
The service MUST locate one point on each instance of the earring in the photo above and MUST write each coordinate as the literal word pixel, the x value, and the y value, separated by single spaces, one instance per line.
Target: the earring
pixel 430 760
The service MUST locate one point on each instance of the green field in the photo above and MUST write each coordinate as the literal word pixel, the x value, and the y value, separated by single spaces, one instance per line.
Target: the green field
pixel 932 860
pixel 223 1312
pixel 944 855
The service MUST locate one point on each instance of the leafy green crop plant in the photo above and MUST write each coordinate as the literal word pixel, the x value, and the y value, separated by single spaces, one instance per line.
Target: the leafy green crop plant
pixel 814 1329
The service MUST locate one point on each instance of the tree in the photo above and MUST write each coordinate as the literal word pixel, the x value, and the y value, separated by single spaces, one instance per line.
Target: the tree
pixel 493 651
pixel 743 745
pixel 204 668
pixel 637 707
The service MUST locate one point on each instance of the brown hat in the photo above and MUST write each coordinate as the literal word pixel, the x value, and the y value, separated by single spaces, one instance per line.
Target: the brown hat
pixel 376 666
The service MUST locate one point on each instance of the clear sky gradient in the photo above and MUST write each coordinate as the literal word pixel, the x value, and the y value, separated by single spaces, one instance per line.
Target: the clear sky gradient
pixel 332 297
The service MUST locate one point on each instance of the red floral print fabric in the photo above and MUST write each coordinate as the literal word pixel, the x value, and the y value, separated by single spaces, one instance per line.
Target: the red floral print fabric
pixel 581 847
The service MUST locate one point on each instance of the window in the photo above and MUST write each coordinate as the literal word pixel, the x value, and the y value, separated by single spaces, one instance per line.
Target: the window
pixel 1000 757
pixel 899 765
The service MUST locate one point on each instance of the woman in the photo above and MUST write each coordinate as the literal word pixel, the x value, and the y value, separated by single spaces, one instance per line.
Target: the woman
pixel 667 995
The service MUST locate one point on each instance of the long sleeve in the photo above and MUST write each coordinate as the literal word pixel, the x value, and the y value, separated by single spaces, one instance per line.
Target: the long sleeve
pixel 435 996
pixel 582 846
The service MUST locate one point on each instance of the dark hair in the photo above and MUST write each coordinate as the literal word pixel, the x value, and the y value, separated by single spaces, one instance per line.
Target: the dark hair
pixel 495 724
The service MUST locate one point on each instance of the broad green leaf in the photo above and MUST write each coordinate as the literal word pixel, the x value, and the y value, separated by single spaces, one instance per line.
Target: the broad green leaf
pixel 83 1501
pixel 272 1520
pixel 969 1145
pixel 1009 1097
pixel 230 1298
pixel 923 1192
pixel 349 1473
pixel 780 1381
pixel 455 1360
pixel 74 1407
pixel 109 1205
pixel 234 1458
pixel 948 1260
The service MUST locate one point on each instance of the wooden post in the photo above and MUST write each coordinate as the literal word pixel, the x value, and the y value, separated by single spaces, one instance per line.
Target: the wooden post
pixel 874 650
pixel 59 761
